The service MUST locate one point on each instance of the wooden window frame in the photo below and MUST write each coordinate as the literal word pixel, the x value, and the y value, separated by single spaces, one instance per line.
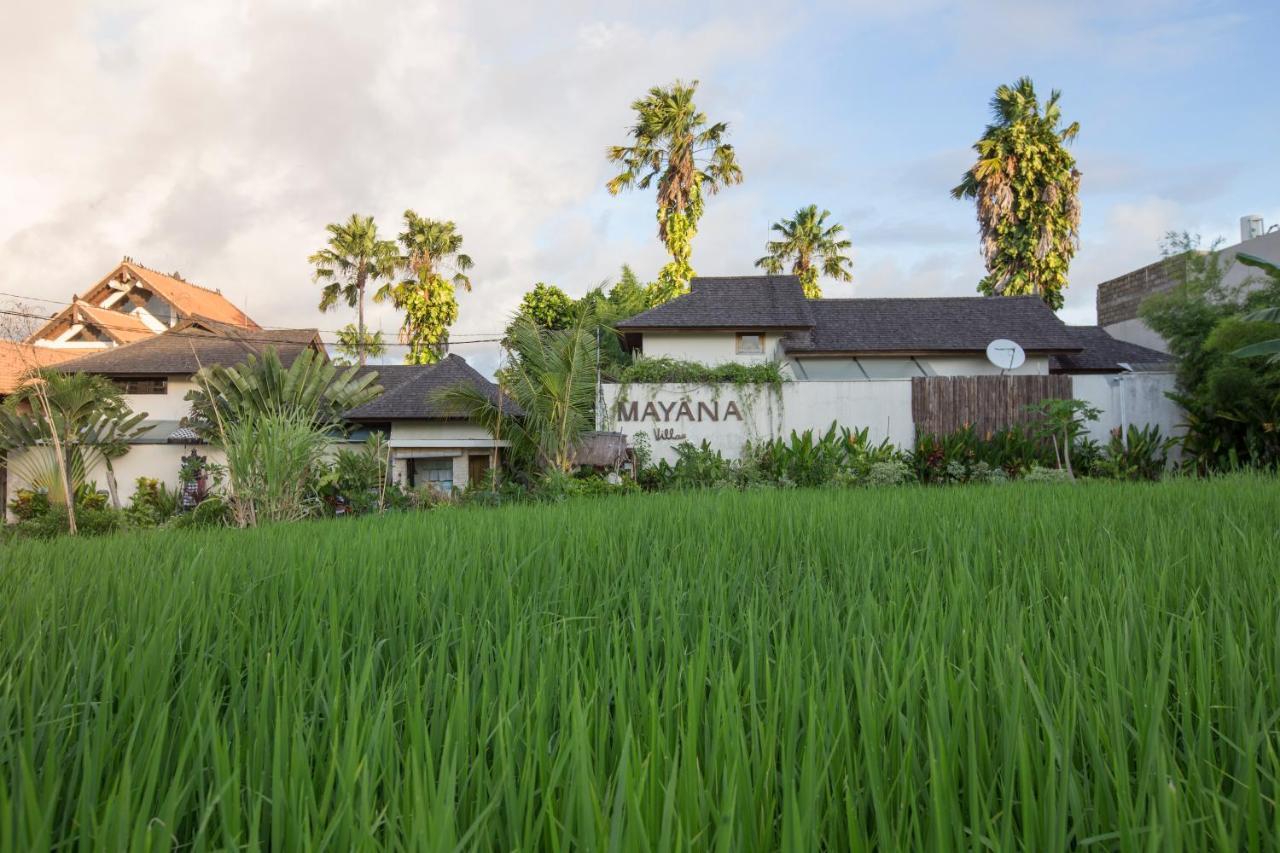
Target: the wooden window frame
pixel 737 343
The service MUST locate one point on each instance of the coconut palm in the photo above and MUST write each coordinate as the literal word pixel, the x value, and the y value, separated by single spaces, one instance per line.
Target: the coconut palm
pixel 675 146
pixel 78 419
pixel 550 381
pixel 353 258
pixel 812 247
pixel 432 267
pixel 1027 190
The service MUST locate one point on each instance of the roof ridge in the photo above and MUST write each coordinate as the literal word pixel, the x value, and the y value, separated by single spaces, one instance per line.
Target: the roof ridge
pixel 129 261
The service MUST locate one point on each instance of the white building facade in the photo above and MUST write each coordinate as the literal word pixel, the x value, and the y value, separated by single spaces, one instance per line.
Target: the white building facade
pixel 853 362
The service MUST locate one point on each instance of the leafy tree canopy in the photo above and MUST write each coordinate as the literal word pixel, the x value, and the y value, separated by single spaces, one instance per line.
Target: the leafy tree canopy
pixel 677 148
pixel 353 258
pixel 1027 189
pixel 812 247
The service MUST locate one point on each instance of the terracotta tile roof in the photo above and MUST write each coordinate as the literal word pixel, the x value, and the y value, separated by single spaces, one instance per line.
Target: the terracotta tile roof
pixel 193 344
pixel 121 328
pixel 191 300
pixel 18 359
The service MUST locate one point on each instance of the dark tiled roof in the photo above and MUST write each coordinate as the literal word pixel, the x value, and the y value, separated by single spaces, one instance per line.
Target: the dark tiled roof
pixel 750 302
pixel 939 324
pixel 194 344
pixel 411 390
pixel 1102 353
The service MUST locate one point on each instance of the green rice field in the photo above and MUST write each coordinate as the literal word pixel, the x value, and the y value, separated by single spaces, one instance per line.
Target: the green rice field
pixel 1034 667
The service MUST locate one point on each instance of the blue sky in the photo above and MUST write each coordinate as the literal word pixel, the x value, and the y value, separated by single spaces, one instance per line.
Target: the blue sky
pixel 218 139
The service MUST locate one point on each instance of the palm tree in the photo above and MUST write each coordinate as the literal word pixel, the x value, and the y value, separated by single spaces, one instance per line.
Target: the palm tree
pixel 81 417
pixel 353 257
pixel 1027 190
pixel 427 292
pixel 675 145
pixel 551 378
pixel 805 239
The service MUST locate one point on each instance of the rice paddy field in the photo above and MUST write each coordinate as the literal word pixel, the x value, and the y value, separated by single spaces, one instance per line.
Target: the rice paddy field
pixel 1030 667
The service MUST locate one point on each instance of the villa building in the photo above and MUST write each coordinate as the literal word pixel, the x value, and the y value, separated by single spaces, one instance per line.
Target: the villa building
pixel 872 363
pixel 430 444
pixel 132 303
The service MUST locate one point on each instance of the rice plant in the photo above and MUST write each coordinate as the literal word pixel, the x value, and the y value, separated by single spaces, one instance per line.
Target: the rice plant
pixel 1018 667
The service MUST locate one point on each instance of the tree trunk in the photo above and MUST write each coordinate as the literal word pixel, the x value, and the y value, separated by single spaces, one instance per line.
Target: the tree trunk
pixel 360 280
pixel 65 457
pixel 111 484
pixel 1066 451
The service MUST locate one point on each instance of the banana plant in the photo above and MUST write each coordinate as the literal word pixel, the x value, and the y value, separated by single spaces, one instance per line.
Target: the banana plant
pixel 1266 315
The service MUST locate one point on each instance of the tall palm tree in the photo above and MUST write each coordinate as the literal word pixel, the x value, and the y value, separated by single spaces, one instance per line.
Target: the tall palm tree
pixel 675 145
pixel 432 266
pixel 81 418
pixel 807 239
pixel 1027 190
pixel 352 259
pixel 551 379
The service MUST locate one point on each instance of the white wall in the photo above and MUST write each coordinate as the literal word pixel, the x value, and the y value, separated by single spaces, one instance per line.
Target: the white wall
pixel 164 407
pixel 1137 332
pixel 156 461
pixel 706 347
pixel 1130 398
pixel 979 366
pixel 884 406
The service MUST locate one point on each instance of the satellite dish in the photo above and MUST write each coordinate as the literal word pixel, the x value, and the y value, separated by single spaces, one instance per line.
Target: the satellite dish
pixel 1005 354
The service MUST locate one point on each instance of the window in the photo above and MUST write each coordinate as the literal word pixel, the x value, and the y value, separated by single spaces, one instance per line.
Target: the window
pixel 434 472
pixel 142 384
pixel 750 343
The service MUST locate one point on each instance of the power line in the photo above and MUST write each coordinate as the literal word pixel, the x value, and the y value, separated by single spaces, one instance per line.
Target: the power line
pixel 247 338
pixel 66 304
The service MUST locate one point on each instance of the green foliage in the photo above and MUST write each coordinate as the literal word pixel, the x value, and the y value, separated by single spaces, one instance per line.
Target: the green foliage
pixel 817 459
pixel 676 148
pixel 1017 668
pixel 433 267
pixel 1047 475
pixel 273 462
pixel 82 416
pixel 1027 190
pixel 351 345
pixel 358 478
pixel 353 258
pixel 310 385
pixel 548 306
pixel 675 371
pixel 551 377
pixel 1229 390
pixel 1062 423
pixel 1139 453
pixel 153 503
pixel 812 246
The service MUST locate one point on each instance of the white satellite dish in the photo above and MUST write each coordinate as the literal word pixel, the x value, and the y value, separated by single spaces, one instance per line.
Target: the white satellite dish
pixel 1005 354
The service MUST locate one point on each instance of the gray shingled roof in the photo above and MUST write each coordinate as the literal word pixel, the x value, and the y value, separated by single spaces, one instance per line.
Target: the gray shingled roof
pixel 1102 353
pixel 739 302
pixel 411 389
pixel 191 345
pixel 938 324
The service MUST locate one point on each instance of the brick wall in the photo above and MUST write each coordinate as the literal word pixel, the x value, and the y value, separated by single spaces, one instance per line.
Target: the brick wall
pixel 1119 298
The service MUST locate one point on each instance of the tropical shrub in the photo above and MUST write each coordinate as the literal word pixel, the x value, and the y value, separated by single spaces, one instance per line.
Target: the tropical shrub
pixel 272 460
pixel 152 503
pixel 1047 475
pixel 675 371
pixel 1227 386
pixel 1140 453
pixel 895 472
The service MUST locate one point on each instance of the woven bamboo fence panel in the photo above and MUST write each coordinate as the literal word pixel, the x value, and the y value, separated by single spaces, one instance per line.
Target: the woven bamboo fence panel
pixel 943 404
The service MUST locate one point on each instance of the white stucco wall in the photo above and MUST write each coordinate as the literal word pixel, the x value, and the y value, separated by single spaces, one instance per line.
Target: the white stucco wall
pixel 1130 398
pixel 883 406
pixel 706 347
pixel 156 461
pixel 979 366
pixel 164 407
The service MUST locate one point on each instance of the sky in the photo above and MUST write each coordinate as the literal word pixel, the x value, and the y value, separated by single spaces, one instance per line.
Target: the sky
pixel 218 139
